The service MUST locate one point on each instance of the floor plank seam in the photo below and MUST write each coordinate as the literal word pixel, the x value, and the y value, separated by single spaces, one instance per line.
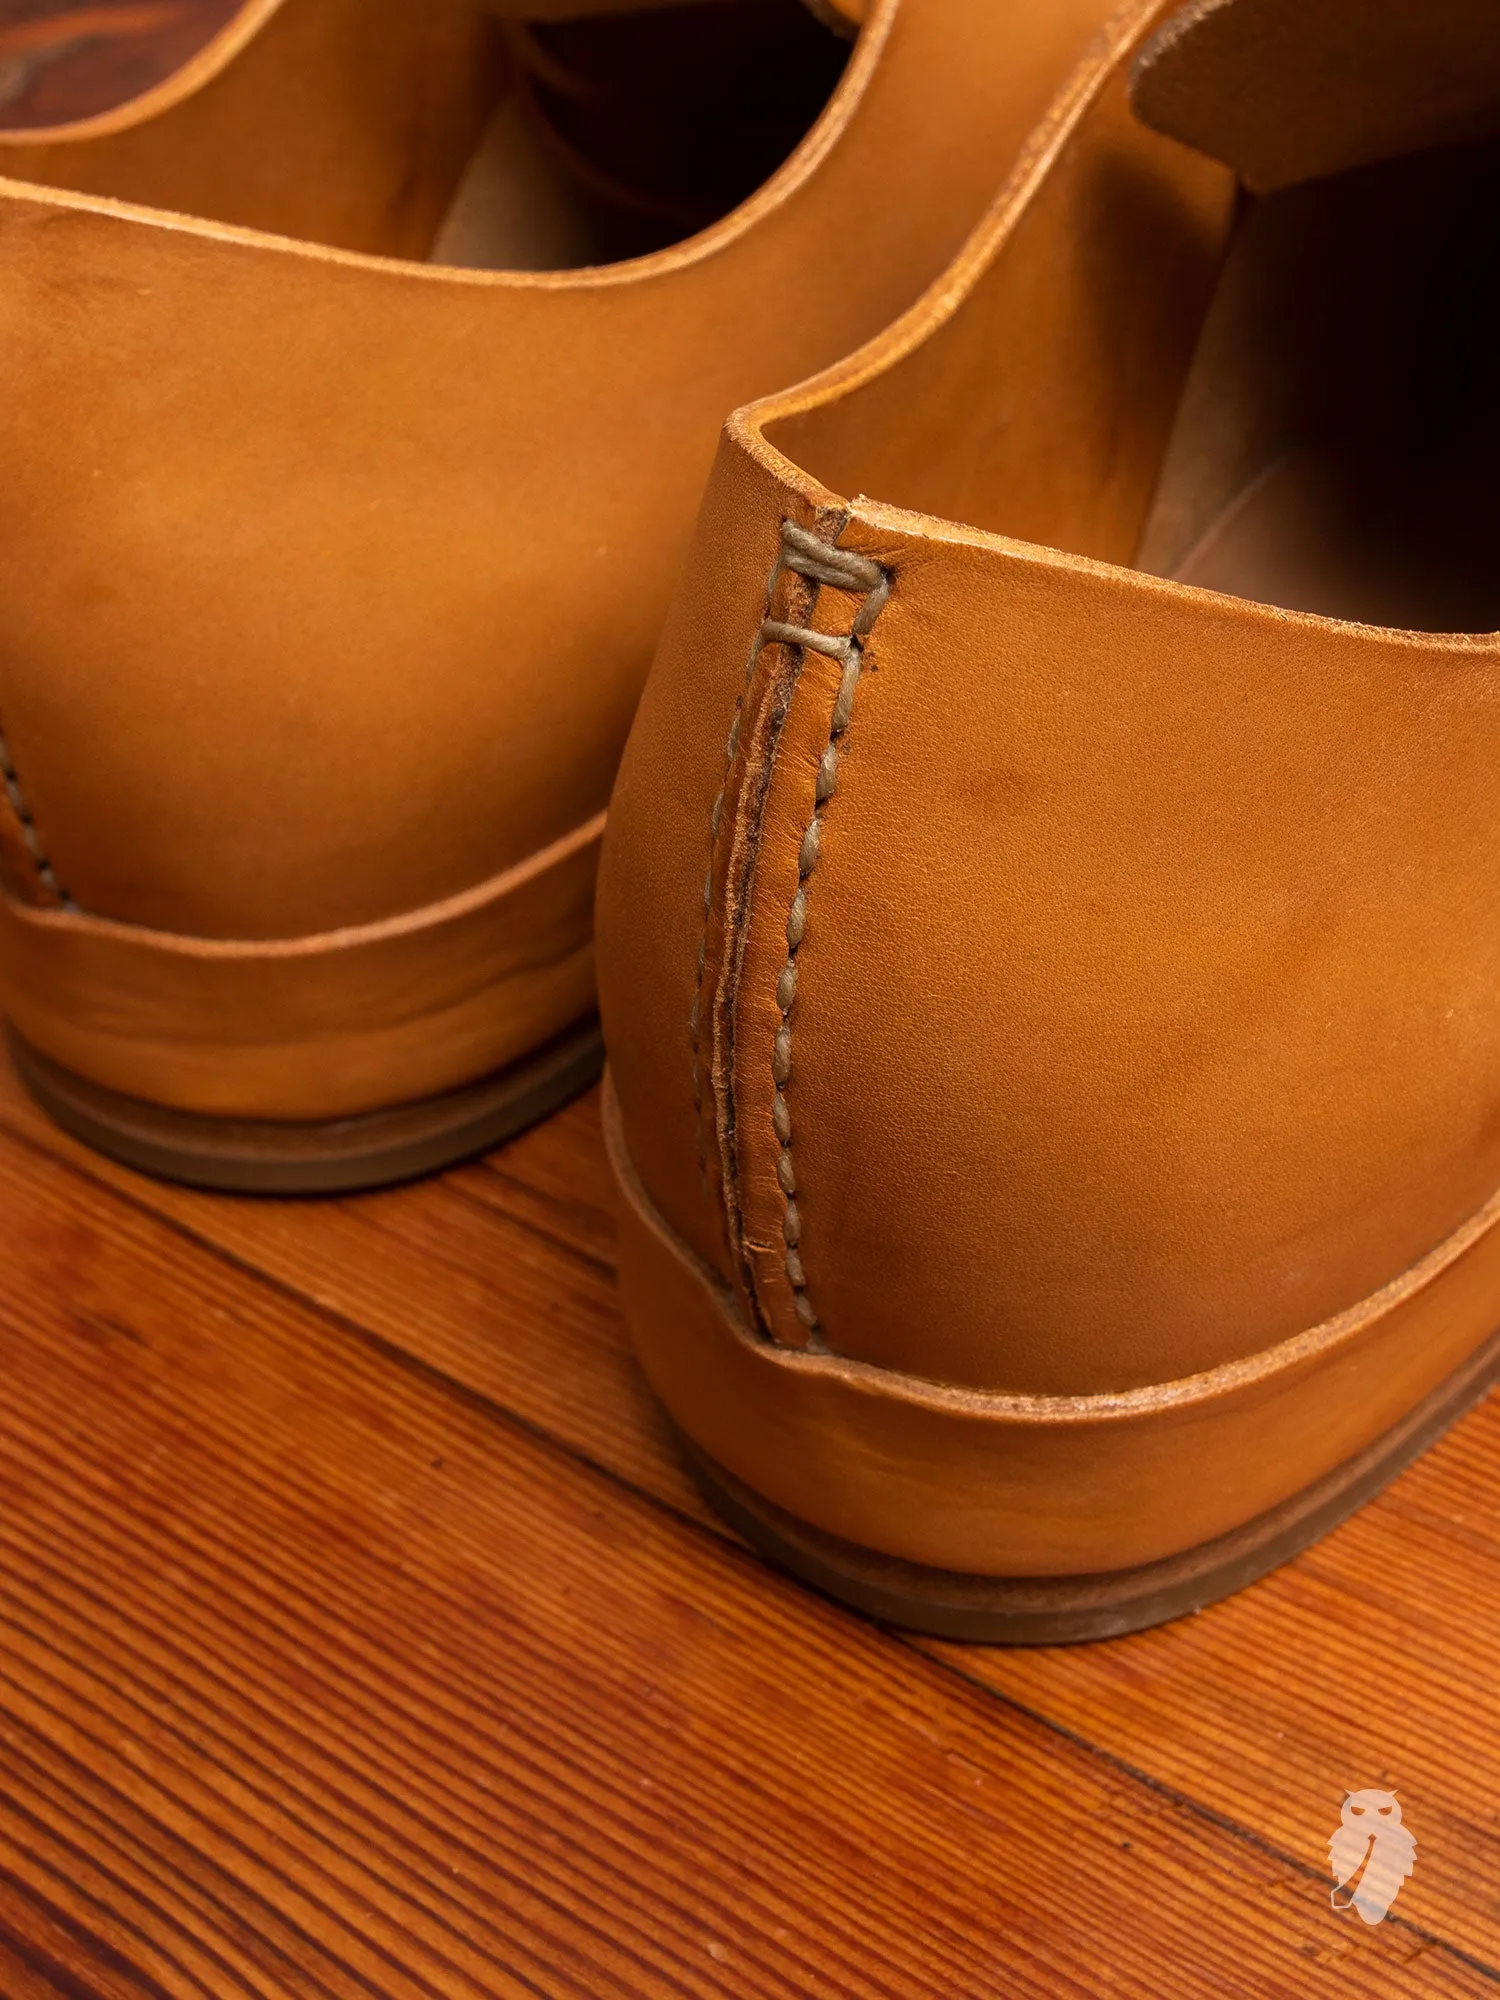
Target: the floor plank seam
pixel 487 1407
pixel 600 1266
pixel 1209 1815
pixel 65 1156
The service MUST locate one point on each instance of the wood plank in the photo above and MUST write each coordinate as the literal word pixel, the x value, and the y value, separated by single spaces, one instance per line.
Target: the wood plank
pixel 318 1679
pixel 1372 1660
pixel 500 1276
pixel 1357 1665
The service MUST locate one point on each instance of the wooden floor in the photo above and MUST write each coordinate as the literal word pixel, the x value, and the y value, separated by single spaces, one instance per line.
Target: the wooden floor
pixel 360 1636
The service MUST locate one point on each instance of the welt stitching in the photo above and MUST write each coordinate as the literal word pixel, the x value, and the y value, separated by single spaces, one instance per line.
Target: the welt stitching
pixel 856 575
pixel 27 824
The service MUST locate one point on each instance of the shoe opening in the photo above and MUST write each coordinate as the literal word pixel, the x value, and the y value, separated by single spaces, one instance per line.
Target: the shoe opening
pixel 450 130
pixel 626 133
pixel 1336 440
pixel 1290 396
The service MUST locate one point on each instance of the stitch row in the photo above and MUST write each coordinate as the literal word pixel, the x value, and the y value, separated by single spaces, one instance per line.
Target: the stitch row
pixel 12 785
pixel 731 751
pixel 807 556
pixel 853 574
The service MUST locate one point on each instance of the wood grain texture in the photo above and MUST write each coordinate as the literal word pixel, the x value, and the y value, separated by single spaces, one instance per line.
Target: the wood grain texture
pixel 67 59
pixel 359 1635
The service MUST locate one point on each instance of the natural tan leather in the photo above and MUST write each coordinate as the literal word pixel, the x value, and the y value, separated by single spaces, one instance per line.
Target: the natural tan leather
pixel 332 579
pixel 990 1482
pixel 433 998
pixel 346 122
pixel 1290 90
pixel 1093 1012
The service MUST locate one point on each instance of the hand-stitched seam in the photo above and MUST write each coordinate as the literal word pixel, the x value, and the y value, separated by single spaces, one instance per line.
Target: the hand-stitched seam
pixel 819 563
pixel 816 562
pixel 801 553
pixel 731 751
pixel 856 575
pixel 767 707
pixel 17 802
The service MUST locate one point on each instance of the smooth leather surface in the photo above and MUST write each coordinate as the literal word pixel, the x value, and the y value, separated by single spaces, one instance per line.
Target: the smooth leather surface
pixel 346 122
pixel 333 579
pixel 1012 401
pixel 988 1483
pixel 1143 1018
pixel 1291 90
pixel 432 999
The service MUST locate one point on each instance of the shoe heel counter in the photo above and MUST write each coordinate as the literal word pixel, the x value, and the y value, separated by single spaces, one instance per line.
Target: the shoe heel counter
pixel 667 902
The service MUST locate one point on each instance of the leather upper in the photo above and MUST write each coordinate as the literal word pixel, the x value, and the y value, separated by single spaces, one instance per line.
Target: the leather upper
pixel 1022 971
pixel 332 578
pixel 346 122
pixel 1290 90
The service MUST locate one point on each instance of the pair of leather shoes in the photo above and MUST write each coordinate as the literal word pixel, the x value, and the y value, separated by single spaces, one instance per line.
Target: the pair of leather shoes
pixel 1047 935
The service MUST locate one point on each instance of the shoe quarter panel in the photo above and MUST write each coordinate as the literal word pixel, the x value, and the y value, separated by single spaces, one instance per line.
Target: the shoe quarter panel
pixel 1146 1011
pixel 340 121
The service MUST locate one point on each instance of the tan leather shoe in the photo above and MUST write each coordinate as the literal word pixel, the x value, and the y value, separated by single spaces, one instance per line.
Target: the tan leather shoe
pixel 332 575
pixel 1056 1081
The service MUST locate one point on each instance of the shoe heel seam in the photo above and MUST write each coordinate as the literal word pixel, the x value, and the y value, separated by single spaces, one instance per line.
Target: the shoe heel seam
pixel 24 833
pixel 856 575
pixel 805 555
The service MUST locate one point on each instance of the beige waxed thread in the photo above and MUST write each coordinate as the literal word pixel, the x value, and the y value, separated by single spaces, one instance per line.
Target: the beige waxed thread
pixel 807 556
pixel 17 802
pixel 852 574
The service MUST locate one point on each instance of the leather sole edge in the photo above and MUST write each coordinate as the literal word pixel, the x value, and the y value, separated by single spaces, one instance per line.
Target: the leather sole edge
pixel 335 1156
pixel 980 1515
pixel 1072 1610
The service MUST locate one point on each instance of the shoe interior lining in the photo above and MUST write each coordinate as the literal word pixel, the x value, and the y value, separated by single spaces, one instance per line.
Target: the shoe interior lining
pixel 1041 407
pixel 628 132
pixel 1298 404
pixel 1335 446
